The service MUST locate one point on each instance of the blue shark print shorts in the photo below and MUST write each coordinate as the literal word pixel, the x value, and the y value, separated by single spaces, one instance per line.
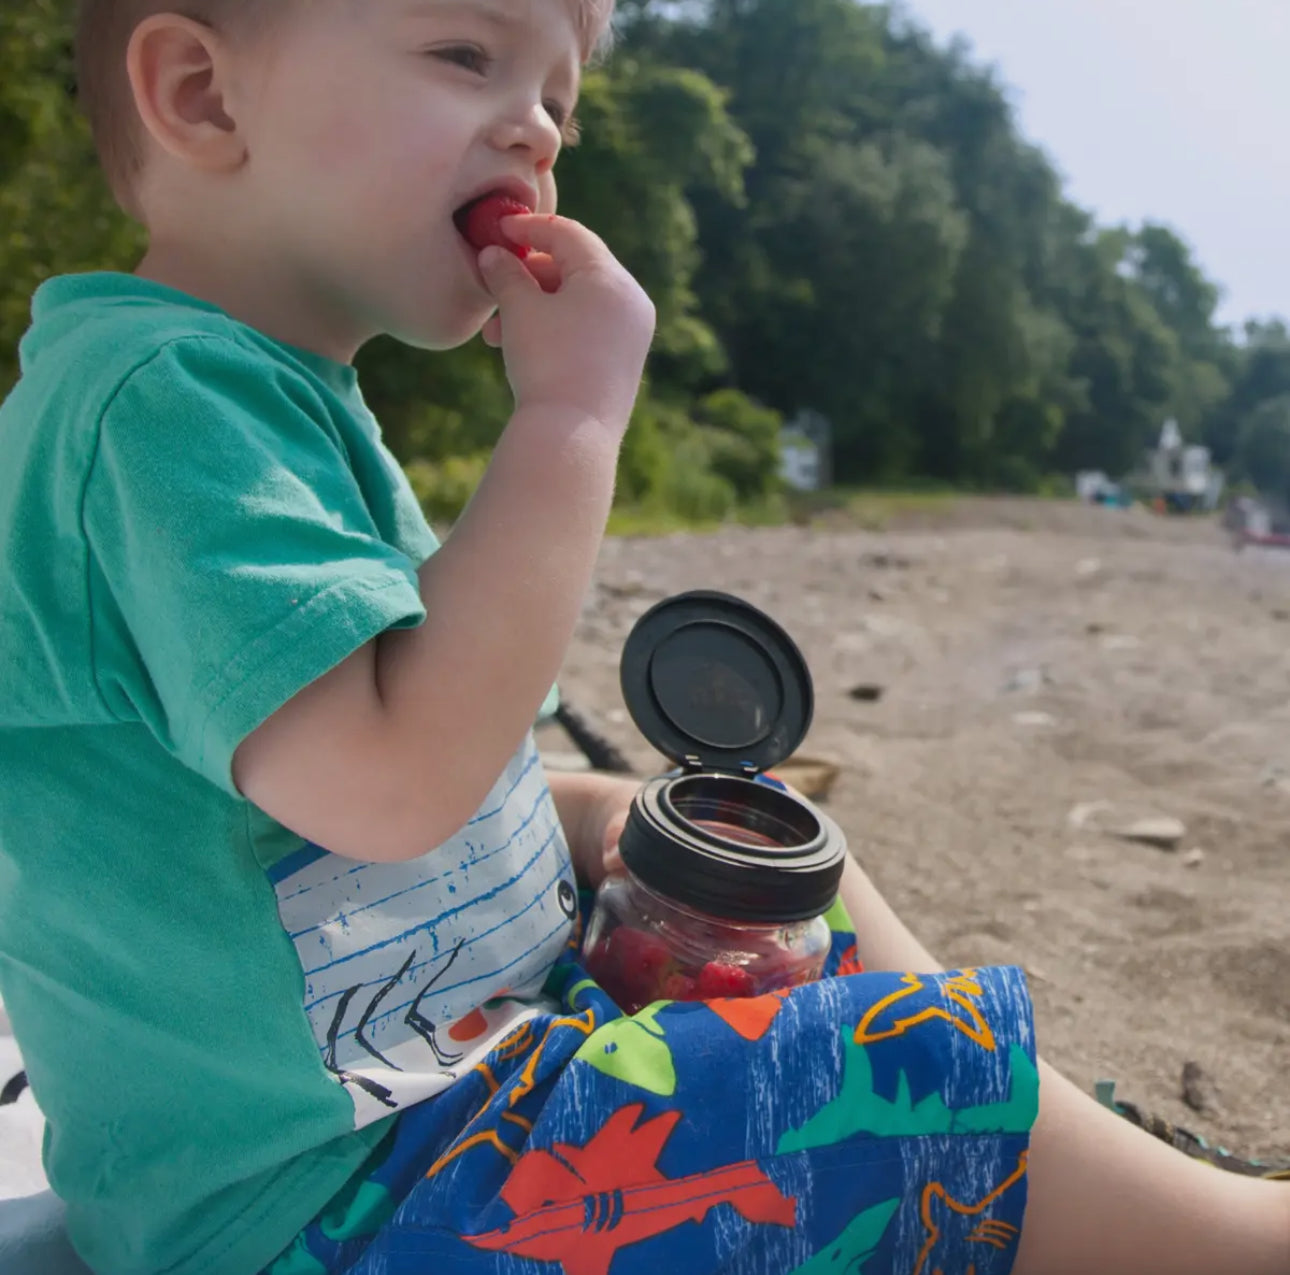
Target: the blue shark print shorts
pixel 868 1124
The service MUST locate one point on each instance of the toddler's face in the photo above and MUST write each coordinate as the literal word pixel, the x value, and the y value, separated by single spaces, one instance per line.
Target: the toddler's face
pixel 374 122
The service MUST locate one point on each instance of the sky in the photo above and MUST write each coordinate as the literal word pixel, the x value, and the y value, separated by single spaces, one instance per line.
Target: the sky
pixel 1169 110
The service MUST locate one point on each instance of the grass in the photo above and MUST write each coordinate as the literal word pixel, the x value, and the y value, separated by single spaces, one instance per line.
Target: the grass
pixel 865 508
pixel 873 509
pixel 631 521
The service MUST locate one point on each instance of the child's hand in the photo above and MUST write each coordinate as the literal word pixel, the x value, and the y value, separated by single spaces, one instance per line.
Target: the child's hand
pixel 575 327
pixel 614 806
pixel 593 811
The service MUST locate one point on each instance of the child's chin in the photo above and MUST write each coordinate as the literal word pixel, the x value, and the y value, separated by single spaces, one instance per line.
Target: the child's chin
pixel 447 335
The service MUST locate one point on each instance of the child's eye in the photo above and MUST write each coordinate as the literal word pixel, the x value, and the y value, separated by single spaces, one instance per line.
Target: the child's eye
pixel 565 121
pixel 571 131
pixel 469 56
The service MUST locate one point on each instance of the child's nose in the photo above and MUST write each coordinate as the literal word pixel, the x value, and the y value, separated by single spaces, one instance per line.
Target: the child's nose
pixel 530 129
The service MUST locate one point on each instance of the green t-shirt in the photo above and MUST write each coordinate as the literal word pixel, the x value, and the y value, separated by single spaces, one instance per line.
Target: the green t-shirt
pixel 217 1018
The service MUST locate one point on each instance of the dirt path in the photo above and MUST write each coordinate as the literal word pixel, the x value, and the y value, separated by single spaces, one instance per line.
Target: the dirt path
pixel 1037 661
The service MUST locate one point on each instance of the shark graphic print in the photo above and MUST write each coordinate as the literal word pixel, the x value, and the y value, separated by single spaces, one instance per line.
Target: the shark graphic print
pixel 413 971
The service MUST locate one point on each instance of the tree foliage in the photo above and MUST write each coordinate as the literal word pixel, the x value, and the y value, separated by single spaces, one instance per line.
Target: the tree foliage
pixel 55 212
pixel 833 213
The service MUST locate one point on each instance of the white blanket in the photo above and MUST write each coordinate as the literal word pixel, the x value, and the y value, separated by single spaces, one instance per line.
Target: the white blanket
pixel 21 1127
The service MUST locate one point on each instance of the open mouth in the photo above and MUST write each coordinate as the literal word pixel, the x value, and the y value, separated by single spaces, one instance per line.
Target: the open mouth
pixel 479 221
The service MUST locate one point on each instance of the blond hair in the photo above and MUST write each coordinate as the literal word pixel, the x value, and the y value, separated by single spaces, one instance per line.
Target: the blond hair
pixel 103 32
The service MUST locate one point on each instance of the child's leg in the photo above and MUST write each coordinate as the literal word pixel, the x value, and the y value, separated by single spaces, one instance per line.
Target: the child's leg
pixel 1103 1195
pixel 882 941
pixel 1106 1197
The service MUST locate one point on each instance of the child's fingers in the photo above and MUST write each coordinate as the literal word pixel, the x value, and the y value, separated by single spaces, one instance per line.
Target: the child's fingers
pixel 492 331
pixel 569 243
pixel 544 270
pixel 505 276
pixel 613 833
pixel 611 859
pixel 612 863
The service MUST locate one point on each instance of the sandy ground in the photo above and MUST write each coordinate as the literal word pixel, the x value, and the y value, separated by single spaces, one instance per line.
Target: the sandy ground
pixel 1050 674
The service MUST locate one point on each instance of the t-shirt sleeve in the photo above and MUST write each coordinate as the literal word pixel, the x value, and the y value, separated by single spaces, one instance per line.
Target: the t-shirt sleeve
pixel 550 705
pixel 233 543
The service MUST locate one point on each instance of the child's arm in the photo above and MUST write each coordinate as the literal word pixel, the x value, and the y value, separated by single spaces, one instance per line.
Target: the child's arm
pixel 391 752
pixel 593 810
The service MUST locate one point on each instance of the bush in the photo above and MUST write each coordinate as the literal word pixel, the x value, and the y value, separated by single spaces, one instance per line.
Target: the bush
pixel 645 461
pixel 444 488
pixel 666 466
pixel 670 467
pixel 698 494
pixel 743 442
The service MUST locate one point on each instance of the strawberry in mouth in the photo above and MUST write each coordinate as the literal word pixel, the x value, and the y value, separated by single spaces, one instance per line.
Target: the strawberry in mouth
pixel 480 222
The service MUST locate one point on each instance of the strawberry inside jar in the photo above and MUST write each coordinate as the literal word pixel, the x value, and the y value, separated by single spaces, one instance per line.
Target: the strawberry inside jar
pixel 726 877
pixel 640 966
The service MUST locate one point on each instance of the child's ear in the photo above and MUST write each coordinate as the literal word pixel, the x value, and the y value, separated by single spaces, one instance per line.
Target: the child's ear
pixel 178 70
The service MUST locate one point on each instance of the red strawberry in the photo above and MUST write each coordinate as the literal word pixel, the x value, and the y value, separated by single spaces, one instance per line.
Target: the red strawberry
pixel 597 959
pixel 718 980
pixel 679 987
pixel 480 223
pixel 638 959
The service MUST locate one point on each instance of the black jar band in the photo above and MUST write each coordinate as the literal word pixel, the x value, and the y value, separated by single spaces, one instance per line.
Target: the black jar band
pixel 734 848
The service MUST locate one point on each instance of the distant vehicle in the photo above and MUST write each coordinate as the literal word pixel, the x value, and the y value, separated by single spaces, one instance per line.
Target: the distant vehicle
pixel 1251 522
pixel 1174 477
pixel 1180 477
pixel 1093 487
pixel 805 451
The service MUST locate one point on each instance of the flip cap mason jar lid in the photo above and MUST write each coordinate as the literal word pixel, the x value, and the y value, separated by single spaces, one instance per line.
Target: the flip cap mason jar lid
pixel 716 684
pixel 719 687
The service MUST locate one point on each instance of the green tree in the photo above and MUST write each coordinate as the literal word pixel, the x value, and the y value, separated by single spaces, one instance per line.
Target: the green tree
pixel 1186 301
pixel 1264 455
pixel 997 388
pixel 830 285
pixel 1262 374
pixel 55 209
pixel 652 135
pixel 831 211
pixel 1124 358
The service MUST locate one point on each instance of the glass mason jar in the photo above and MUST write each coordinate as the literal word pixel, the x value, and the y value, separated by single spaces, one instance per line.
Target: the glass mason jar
pixel 725 884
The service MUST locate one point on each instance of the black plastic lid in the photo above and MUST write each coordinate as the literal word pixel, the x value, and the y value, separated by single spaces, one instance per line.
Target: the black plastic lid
pixel 716 684
pixel 677 842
